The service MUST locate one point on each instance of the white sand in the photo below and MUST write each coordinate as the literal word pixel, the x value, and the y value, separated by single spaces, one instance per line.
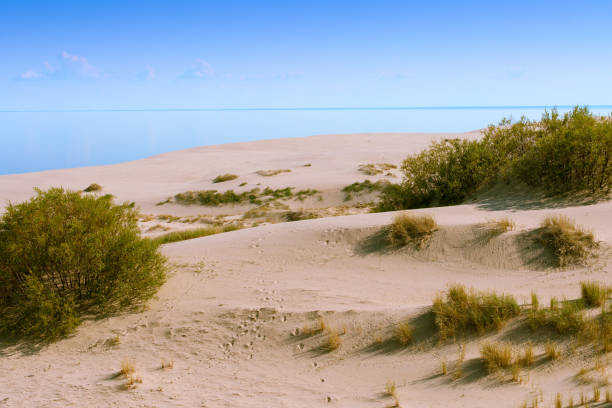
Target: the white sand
pixel 226 315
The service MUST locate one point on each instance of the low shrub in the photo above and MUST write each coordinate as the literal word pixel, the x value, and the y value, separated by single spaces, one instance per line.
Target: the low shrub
pixel 224 177
pixel 64 255
pixel 570 243
pixel 414 229
pixel 93 187
pixel 459 310
pixel 365 186
pixel 372 169
pixel 255 196
pixel 269 173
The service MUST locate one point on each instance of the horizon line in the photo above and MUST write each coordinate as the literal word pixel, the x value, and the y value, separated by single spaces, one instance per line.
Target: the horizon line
pixel 328 108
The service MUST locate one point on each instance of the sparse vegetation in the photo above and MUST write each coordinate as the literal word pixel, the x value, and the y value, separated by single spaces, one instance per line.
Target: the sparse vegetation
pixel 93 187
pixel 570 243
pixel 333 341
pixel 167 364
pixel 63 255
pixel 500 226
pixel 414 229
pixel 552 350
pixel 372 169
pixel 557 154
pixel 225 177
pixel 183 235
pixel 459 310
pixel 496 356
pixel 391 391
pixel 269 173
pixel 565 318
pixel 363 187
pixel 255 196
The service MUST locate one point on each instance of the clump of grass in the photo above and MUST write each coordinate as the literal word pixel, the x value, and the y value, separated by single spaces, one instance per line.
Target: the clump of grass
pixel 411 229
pixel 224 177
pixel 496 356
pixel 459 310
pixel 528 357
pixel 459 363
pixel 594 293
pixel 403 333
pixel 113 341
pixel 167 364
pixel 183 235
pixel 391 391
pixel 300 215
pixel 131 381
pixel 244 183
pixel 363 187
pixel 570 243
pixel 565 317
pixel 552 350
pixel 270 173
pixel 558 401
pixel 93 187
pixel 255 196
pixel 500 226
pixel 596 394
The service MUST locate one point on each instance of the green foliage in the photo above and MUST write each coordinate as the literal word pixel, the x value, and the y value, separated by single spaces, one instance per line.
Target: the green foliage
pixel 64 255
pixel 224 177
pixel 413 229
pixel 557 154
pixel 183 235
pixel 460 310
pixel 564 318
pixel 570 243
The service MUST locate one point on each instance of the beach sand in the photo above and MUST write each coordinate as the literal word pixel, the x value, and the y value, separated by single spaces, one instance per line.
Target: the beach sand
pixel 238 314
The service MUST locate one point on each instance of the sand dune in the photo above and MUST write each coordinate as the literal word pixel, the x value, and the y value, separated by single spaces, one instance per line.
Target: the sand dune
pixel 238 314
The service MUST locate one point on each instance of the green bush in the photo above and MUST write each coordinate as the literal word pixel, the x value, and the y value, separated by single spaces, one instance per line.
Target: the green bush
pixel 557 154
pixel 461 310
pixel 64 255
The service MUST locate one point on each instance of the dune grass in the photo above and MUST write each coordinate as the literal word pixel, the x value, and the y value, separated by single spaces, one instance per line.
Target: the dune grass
pixel 403 333
pixel 594 293
pixel 414 229
pixel 362 187
pixel 256 196
pixel 458 311
pixel 183 235
pixel 496 356
pixel 570 243
pixel 224 177
pixel 501 225
pixel 372 169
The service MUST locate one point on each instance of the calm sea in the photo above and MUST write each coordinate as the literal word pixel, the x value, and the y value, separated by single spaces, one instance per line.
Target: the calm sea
pixel 33 141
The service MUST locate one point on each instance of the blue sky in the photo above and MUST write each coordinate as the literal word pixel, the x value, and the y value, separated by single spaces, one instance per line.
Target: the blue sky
pixel 205 54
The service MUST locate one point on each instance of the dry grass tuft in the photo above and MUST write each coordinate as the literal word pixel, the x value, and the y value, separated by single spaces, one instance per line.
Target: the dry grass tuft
pixel 594 293
pixel 570 243
pixel 224 177
pixel 333 341
pixel 131 381
pixel 500 226
pixel 167 364
pixel 403 333
pixel 528 357
pixel 411 229
pixel 127 368
pixel 270 173
pixel 372 169
pixel 496 356
pixel 552 350
pixel 461 310
pixel 391 391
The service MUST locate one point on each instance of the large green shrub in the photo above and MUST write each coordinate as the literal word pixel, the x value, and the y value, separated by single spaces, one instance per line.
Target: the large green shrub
pixel 64 255
pixel 558 154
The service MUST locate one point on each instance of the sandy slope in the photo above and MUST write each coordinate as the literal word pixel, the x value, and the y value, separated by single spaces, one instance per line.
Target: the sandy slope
pixel 228 315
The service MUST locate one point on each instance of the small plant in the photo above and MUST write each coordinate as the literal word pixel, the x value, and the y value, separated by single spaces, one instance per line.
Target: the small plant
pixel 167 364
pixel 244 183
pixel 608 397
pixel 113 341
pixel 594 293
pixel 333 341
pixel 403 333
pixel 93 187
pixel 224 177
pixel 596 394
pixel 496 356
pixel 411 229
pixel 363 187
pixel 459 364
pixel 558 401
pixel 552 350
pixel 390 390
pixel 570 243
pixel 516 372
pixel 131 381
pixel 460 310
pixel 372 169
pixel 269 173
pixel 127 368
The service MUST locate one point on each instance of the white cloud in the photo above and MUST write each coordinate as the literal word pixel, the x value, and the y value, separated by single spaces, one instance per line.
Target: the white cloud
pixel 201 69
pixel 30 75
pixel 85 67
